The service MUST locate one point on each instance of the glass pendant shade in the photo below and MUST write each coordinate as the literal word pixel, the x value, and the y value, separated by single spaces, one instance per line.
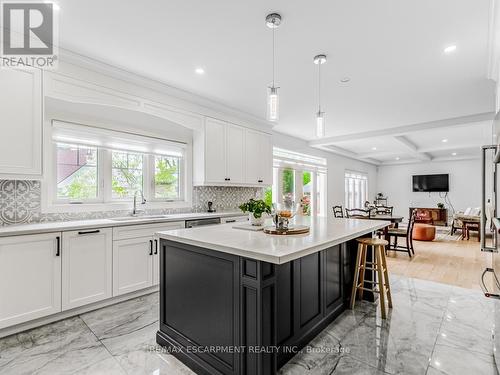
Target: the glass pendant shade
pixel 320 124
pixel 272 104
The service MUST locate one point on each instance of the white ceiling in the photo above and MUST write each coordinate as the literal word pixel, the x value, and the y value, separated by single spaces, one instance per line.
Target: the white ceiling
pixel 391 49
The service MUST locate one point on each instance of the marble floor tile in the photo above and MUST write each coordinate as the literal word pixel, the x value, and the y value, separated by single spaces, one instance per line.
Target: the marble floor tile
pixel 322 346
pixel 65 347
pixel 128 331
pixel 453 361
pixel 346 365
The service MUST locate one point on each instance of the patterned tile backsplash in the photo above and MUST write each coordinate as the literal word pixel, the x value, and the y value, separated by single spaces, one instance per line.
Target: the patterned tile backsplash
pixel 20 203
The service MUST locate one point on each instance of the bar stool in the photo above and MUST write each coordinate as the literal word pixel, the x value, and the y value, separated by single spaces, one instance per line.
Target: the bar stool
pixel 378 265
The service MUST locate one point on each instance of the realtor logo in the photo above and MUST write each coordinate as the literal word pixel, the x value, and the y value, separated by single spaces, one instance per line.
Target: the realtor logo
pixel 28 34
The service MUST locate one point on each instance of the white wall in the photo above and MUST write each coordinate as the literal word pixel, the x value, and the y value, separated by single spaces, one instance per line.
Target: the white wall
pixel 465 185
pixel 336 168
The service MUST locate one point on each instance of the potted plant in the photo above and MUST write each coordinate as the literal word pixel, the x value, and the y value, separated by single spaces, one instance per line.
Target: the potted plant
pixel 256 208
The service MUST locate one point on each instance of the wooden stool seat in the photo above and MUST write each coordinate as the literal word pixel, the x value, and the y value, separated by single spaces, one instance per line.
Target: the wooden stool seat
pixel 378 265
pixel 373 241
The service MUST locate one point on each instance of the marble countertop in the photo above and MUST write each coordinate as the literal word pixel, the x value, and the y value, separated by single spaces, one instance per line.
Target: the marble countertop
pixel 278 249
pixel 61 226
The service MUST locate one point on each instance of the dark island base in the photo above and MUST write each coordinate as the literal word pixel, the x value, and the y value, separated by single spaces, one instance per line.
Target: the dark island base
pixel 225 314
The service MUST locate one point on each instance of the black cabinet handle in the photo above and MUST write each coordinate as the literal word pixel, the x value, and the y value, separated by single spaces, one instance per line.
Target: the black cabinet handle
pixel 227 179
pixel 150 247
pixel 260 181
pixel 58 246
pixel 156 247
pixel 231 221
pixel 90 232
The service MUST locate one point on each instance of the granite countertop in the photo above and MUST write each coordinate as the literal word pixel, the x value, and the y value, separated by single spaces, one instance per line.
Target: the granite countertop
pixel 61 226
pixel 278 249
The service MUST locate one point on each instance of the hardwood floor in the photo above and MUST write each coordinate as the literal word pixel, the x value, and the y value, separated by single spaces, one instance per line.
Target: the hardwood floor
pixel 452 262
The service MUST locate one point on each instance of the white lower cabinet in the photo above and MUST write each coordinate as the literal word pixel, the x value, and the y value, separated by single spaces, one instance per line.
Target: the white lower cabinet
pixel 132 264
pixel 136 263
pixel 30 277
pixel 87 257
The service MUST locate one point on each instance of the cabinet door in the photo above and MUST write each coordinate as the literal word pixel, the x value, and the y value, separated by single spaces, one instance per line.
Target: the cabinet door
pixel 266 152
pixel 30 278
pixel 253 159
pixel 132 264
pixel 86 267
pixel 215 151
pixel 21 111
pixel 235 146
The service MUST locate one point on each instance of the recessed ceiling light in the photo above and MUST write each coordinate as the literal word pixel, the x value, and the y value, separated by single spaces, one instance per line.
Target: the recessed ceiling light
pixel 397 157
pixel 444 140
pixel 345 79
pixel 454 154
pixel 374 148
pixel 450 49
pixel 199 71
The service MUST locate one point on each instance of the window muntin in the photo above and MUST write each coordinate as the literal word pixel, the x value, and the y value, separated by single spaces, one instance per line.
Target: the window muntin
pixel 76 172
pixel 127 174
pixel 167 177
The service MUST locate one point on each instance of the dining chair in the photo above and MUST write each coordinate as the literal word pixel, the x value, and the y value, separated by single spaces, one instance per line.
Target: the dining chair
pixel 384 210
pixel 407 234
pixel 357 213
pixel 338 211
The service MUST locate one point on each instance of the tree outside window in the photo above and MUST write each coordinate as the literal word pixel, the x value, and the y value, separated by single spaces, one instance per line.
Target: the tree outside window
pixel 76 172
pixel 167 183
pixel 126 175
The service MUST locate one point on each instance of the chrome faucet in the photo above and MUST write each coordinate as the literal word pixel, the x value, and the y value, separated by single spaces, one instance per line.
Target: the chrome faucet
pixel 143 201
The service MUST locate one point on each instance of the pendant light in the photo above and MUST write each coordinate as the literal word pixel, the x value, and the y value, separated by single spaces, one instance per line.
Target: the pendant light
pixel 273 20
pixel 320 116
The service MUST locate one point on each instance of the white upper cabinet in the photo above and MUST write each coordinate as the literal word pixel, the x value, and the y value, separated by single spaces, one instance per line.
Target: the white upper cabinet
pixel 21 123
pixel 258 158
pixel 87 258
pixel 215 151
pixel 221 153
pixel 30 277
pixel 235 147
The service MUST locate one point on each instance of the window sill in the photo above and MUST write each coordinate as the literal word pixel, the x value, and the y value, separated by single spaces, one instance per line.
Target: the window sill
pixel 112 206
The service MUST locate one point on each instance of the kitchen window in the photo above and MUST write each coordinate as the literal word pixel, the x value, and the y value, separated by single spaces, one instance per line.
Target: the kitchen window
pixel 356 189
pixel 103 169
pixel 126 174
pixel 76 172
pixel 167 177
pixel 299 179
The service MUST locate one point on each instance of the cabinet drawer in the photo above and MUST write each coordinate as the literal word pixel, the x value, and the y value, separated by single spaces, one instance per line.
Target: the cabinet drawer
pixel 143 230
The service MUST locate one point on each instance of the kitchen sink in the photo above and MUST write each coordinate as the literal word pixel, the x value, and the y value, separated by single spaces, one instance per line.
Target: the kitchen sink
pixel 138 218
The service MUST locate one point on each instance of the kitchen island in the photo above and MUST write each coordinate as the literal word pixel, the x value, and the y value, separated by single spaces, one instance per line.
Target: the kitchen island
pixel 243 302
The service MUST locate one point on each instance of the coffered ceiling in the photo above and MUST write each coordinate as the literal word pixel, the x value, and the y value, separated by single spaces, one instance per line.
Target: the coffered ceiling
pixel 391 50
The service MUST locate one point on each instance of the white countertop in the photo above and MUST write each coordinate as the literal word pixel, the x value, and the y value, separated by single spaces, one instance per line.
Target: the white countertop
pixel 278 249
pixel 61 226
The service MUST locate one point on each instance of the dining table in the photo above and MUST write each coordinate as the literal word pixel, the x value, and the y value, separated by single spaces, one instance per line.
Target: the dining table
pixel 394 219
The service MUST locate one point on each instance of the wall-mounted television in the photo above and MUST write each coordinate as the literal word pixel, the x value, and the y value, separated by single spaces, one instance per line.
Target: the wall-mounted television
pixel 431 183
